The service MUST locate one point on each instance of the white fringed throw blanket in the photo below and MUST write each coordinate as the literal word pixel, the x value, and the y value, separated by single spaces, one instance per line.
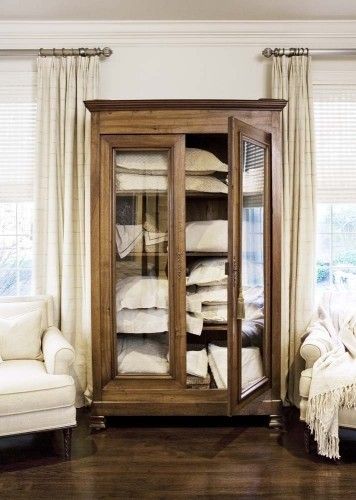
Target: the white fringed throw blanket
pixel 333 387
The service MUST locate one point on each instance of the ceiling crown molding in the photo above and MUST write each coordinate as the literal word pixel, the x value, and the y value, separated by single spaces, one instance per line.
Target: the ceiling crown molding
pixel 317 34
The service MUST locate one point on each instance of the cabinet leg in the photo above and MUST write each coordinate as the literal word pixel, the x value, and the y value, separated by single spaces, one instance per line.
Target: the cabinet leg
pixel 67 441
pixel 276 422
pixel 97 422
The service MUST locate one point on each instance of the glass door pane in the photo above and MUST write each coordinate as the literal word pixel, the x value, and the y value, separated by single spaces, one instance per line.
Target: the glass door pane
pixel 249 261
pixel 252 264
pixel 141 236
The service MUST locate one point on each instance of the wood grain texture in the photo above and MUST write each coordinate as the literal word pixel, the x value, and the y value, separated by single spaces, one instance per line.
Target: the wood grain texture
pixel 115 105
pixel 174 458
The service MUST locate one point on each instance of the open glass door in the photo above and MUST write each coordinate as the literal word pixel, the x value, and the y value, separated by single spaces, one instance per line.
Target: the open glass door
pixel 249 359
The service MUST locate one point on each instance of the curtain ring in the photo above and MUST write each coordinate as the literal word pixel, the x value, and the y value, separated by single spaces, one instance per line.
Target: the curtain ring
pixel 82 52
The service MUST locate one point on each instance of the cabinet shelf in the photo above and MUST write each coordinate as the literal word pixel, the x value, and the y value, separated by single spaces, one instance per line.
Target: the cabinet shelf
pixel 215 326
pixel 165 254
pixel 189 194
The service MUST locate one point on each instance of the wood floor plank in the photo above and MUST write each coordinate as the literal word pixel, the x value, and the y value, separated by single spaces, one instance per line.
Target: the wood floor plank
pixel 171 458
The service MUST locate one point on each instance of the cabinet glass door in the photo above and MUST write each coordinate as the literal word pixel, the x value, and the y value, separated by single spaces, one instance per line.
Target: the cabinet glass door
pixel 149 268
pixel 249 356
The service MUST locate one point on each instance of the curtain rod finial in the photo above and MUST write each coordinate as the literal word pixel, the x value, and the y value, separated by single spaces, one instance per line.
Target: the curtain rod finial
pixel 268 52
pixel 106 51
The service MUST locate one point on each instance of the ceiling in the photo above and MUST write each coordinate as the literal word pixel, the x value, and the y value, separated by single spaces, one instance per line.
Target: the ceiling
pixel 175 10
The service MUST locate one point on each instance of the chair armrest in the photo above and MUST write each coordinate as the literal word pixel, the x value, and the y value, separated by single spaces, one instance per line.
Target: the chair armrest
pixel 57 352
pixel 314 346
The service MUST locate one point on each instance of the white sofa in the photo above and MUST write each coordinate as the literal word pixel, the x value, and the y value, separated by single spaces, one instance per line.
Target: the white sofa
pixel 38 395
pixel 318 342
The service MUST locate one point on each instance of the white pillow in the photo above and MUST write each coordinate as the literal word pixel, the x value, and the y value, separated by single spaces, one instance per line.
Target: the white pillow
pixel 208 272
pixel 212 294
pixel 199 160
pixel 19 307
pixel 143 161
pixel 20 336
pixel 138 321
pixel 159 183
pixel 142 320
pixel 141 292
pixel 207 236
pixel 197 363
pixel 141 354
pixel 215 314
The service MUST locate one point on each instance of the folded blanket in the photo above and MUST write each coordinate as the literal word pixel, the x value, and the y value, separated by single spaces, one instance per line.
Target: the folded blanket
pixel 333 386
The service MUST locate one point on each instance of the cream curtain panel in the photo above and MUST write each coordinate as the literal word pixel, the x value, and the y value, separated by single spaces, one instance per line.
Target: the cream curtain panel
pixel 61 227
pixel 291 80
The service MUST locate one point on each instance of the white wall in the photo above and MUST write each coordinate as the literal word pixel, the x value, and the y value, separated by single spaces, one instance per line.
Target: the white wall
pixel 190 72
pixel 185 59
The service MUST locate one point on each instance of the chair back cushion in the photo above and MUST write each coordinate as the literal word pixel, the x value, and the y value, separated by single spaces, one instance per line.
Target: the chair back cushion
pixel 13 306
pixel 20 336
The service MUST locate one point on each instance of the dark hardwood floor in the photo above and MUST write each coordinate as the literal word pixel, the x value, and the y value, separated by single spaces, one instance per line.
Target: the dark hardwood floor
pixel 170 458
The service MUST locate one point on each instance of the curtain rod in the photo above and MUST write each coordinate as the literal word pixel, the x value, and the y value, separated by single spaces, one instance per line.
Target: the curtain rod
pixel 277 52
pixel 104 52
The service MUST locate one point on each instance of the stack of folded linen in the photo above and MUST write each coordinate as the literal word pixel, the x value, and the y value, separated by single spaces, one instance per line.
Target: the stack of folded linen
pixel 148 171
pixel 208 299
pixel 130 238
pixel 251 365
pixel 142 306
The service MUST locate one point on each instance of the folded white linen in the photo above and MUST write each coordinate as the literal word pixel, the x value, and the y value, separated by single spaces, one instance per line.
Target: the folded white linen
pixel 212 295
pixel 128 238
pixel 194 324
pixel 143 354
pixel 141 292
pixel 193 303
pixel 197 161
pixel 217 357
pixel 159 183
pixel 216 313
pixel 138 321
pixel 251 365
pixel 142 321
pixel 207 236
pixel 152 238
pixel 197 363
pixel 207 272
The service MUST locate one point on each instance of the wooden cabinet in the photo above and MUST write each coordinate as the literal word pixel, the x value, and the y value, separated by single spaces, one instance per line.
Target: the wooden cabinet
pixel 186 246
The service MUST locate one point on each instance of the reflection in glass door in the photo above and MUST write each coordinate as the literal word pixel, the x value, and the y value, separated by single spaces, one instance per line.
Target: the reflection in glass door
pixel 252 264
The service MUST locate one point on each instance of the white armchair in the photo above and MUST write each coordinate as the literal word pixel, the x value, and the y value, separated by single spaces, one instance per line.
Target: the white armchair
pixel 37 394
pixel 317 343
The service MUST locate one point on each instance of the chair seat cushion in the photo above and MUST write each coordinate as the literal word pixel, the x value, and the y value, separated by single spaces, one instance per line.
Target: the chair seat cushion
pixel 304 383
pixel 25 386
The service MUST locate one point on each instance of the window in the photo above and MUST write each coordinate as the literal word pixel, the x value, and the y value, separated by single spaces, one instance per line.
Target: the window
pixel 335 129
pixel 17 153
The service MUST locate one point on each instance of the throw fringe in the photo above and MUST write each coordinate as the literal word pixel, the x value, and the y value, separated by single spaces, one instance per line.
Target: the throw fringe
pixel 318 406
